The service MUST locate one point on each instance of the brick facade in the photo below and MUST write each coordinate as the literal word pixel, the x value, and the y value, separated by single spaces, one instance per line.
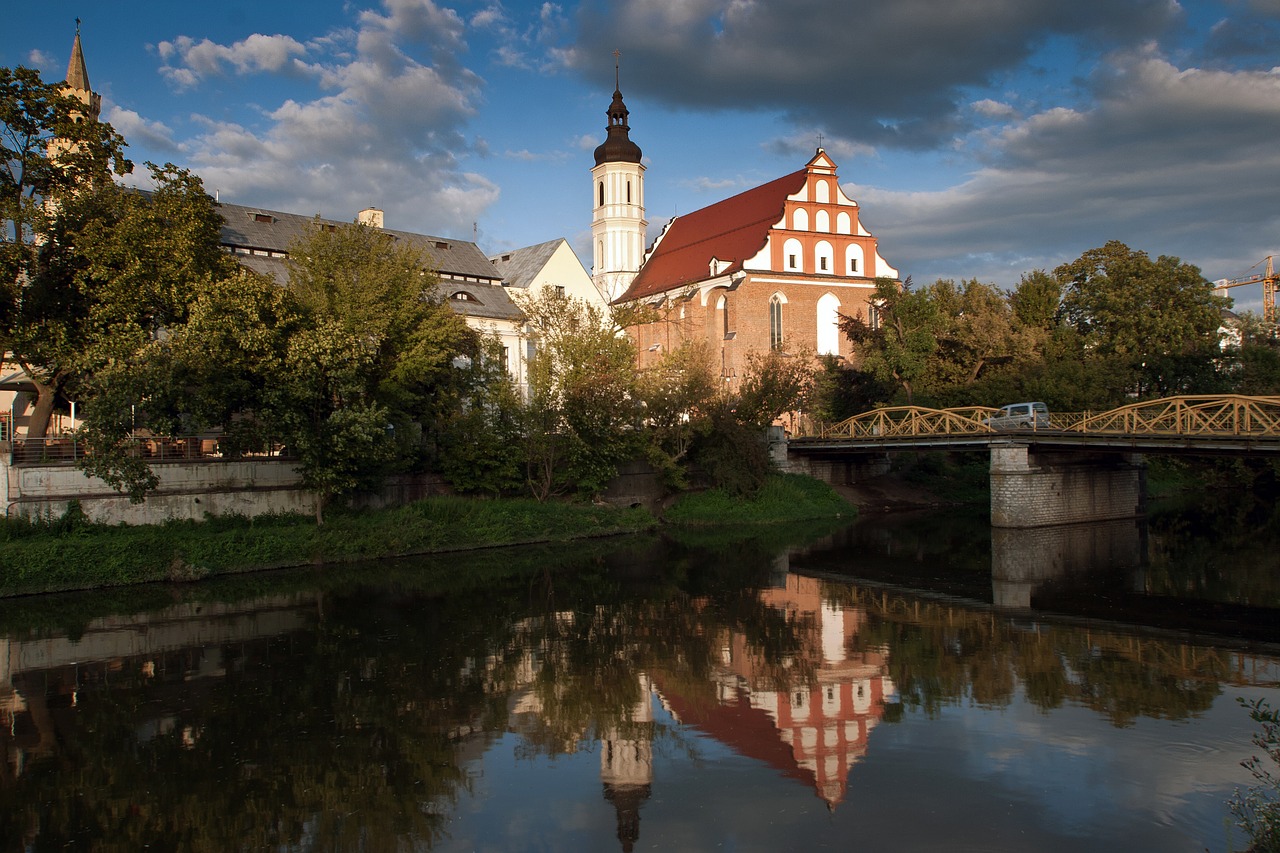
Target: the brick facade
pixel 771 268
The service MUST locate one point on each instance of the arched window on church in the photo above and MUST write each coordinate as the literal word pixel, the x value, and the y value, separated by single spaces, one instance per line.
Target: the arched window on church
pixel 775 321
pixel 824 258
pixel 828 328
pixel 844 224
pixel 800 220
pixel 853 260
pixel 601 202
pixel 822 191
pixel 722 306
pixel 822 221
pixel 628 192
pixel 792 255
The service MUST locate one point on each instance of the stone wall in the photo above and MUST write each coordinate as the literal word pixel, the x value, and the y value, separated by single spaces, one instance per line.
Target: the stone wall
pixel 1037 490
pixel 187 490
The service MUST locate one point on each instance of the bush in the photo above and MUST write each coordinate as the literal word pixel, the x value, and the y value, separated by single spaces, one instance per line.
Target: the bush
pixel 1257 810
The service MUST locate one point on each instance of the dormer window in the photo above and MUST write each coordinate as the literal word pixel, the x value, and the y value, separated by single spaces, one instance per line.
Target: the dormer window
pixel 263 217
pixel 463 296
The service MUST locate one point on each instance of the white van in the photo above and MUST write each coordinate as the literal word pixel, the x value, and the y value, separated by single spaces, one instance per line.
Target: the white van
pixel 1020 416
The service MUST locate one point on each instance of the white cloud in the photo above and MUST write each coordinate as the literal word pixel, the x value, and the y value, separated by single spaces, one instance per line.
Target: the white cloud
pixel 201 59
pixel 136 129
pixel 388 129
pixel 1169 160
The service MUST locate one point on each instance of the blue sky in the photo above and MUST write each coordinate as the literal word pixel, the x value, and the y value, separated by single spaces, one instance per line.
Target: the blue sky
pixel 983 139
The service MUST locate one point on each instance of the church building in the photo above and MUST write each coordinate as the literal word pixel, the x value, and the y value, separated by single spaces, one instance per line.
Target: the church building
pixel 771 268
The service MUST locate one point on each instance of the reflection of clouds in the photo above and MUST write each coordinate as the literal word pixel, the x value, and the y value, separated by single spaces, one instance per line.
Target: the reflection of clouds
pixel 1077 770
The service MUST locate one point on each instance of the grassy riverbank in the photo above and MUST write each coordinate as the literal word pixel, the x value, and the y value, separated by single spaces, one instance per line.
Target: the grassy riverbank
pixel 71 554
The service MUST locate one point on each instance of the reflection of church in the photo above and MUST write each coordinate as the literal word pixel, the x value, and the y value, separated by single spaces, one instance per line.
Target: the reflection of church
pixel 809 719
pixel 808 715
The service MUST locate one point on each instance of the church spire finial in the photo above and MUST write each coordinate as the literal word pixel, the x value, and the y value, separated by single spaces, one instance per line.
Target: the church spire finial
pixel 617 62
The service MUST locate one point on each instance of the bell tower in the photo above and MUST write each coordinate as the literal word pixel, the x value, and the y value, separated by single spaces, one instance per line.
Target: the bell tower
pixel 77 85
pixel 617 192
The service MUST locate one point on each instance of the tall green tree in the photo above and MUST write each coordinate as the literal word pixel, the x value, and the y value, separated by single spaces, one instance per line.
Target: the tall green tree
pixel 1158 317
pixel 56 168
pixel 583 409
pixel 376 364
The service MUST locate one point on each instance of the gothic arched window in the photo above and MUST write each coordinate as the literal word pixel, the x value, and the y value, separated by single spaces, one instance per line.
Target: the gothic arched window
pixel 775 322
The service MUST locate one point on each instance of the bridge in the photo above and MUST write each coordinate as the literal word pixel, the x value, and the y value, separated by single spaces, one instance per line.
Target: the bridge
pixel 1081 466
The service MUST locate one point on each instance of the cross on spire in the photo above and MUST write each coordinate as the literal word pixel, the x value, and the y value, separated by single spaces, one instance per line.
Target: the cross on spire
pixel 617 61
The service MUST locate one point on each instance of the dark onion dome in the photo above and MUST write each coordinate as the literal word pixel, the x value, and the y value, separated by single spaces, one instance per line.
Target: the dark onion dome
pixel 618 147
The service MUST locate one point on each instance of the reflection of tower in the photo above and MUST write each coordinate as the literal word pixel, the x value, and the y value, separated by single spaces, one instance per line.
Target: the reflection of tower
pixel 626 765
pixel 617 219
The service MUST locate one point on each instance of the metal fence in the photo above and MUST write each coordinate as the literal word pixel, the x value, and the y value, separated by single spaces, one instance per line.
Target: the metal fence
pixel 68 449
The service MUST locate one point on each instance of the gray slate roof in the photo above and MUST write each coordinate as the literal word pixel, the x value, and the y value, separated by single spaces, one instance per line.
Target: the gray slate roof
pixel 268 234
pixel 488 301
pixel 273 231
pixel 519 266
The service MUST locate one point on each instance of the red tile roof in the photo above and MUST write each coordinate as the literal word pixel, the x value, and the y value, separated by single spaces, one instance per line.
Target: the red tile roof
pixel 732 230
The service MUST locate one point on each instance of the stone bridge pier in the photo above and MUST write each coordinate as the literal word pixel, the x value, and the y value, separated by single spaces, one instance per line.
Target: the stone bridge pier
pixel 1043 488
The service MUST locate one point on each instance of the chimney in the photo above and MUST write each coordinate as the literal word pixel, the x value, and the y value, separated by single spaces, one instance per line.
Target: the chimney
pixel 370 216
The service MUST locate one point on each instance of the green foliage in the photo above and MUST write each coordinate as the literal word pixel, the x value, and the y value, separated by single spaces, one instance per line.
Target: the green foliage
pixel 900 345
pixel 374 361
pixel 1160 317
pixel 840 391
pixel 729 455
pixel 47 321
pixel 782 498
pixel 1097 332
pixel 677 395
pixel 1257 810
pixel 479 441
pixel 583 410
pixel 66 554
pixel 773 383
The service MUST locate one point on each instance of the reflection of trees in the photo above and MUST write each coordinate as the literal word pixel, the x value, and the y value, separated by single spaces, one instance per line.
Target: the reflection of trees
pixel 1220 551
pixel 353 731
pixel 942 654
pixel 349 733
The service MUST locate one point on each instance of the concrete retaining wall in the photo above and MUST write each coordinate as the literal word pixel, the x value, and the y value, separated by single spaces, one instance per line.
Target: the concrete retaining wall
pixel 187 490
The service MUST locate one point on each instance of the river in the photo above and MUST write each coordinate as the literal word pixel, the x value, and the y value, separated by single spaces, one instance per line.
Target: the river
pixel 909 682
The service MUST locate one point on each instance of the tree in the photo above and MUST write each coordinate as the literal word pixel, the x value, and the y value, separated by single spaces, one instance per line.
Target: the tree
pixel 677 394
pixel 898 346
pixel 1160 318
pixel 56 176
pixel 975 331
pixel 583 410
pixel 773 384
pixel 479 435
pixel 374 364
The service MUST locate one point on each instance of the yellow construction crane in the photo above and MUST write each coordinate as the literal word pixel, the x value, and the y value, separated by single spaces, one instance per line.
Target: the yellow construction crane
pixel 1268 280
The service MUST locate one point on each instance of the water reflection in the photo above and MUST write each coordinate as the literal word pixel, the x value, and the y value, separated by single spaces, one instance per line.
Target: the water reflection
pixel 539 700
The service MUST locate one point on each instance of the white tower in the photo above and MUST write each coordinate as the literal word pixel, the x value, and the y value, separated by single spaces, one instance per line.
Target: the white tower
pixel 617 191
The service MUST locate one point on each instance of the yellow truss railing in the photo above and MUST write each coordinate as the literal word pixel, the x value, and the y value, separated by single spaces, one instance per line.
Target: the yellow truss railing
pixel 1203 415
